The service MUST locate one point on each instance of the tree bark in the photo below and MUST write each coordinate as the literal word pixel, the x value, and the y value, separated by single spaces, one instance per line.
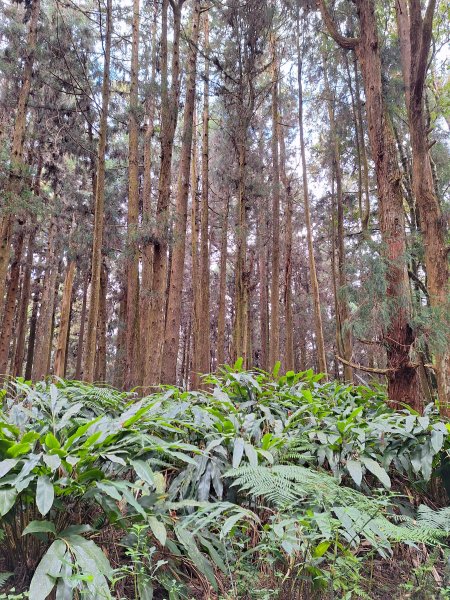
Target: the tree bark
pixel 263 287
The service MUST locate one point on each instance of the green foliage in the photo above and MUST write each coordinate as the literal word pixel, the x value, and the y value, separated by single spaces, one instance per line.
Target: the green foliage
pixel 287 473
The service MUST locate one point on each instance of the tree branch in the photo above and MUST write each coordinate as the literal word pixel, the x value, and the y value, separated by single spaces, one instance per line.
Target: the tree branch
pixel 425 42
pixel 342 40
pixel 363 368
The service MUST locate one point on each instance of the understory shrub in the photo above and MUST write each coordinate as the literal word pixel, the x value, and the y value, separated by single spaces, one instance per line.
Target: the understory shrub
pixel 289 482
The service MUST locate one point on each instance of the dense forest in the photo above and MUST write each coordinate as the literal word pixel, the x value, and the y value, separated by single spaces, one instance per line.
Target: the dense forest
pixel 190 184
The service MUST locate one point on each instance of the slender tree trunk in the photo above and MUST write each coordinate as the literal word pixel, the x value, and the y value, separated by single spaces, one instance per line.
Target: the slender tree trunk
pixel 319 338
pixel 196 283
pixel 172 334
pixel 403 381
pixel 100 362
pixel 274 346
pixel 66 303
pixel 263 287
pixel 119 363
pixel 221 318
pixel 240 328
pixel 96 262
pixel 289 358
pixel 169 116
pixel 44 322
pixel 23 309
pixel 78 368
pixel 10 304
pixel 132 337
pixel 32 331
pixel 14 184
pixel 204 359
pixel 343 313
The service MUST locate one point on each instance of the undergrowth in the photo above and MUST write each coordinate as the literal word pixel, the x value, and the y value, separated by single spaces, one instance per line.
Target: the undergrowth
pixel 265 486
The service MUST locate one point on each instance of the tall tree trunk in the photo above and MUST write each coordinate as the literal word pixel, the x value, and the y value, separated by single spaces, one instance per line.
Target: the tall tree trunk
pixel 14 183
pixel 240 326
pixel 221 318
pixel 169 116
pixel 196 283
pixel 289 357
pixel 10 304
pixel 263 287
pixel 343 313
pixel 415 34
pixel 403 380
pixel 146 340
pixel 318 328
pixel 44 322
pixel 172 333
pixel 204 358
pixel 66 303
pixel 274 346
pixel 99 209
pixel 132 267
pixel 23 309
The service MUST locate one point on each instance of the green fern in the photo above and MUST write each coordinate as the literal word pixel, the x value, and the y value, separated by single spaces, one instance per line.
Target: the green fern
pixel 4 578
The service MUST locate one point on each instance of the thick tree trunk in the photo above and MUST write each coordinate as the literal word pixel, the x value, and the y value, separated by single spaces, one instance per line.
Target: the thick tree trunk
pixel 415 34
pixel 132 376
pixel 318 328
pixel 64 322
pixel 119 363
pixel 169 116
pixel 14 184
pixel 32 331
pixel 99 208
pixel 173 322
pixel 403 381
